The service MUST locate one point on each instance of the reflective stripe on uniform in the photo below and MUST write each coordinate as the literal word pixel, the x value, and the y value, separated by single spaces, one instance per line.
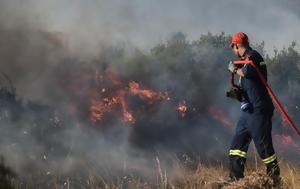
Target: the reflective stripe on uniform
pixel 237 153
pixel 269 159
pixel 262 63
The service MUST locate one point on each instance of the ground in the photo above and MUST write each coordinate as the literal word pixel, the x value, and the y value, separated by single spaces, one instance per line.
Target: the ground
pixel 204 177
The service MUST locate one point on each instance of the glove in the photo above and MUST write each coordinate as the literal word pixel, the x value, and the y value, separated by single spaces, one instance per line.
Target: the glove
pixel 231 67
pixel 245 105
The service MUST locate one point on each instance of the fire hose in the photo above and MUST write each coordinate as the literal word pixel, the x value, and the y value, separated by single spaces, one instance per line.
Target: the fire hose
pixel 284 114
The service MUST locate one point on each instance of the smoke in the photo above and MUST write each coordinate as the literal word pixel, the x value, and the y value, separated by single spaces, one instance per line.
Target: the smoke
pixel 52 51
pixel 145 24
pixel 47 126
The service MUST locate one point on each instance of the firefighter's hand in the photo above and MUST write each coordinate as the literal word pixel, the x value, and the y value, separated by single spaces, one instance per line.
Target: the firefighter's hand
pixel 231 67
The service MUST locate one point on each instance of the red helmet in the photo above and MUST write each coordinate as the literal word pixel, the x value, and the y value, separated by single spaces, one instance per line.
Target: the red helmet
pixel 239 38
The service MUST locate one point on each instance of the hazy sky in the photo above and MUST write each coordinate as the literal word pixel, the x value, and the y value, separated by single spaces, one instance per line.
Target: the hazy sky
pixel 144 23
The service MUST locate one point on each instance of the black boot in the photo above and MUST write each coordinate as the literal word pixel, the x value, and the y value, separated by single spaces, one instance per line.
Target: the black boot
pixel 236 167
pixel 273 171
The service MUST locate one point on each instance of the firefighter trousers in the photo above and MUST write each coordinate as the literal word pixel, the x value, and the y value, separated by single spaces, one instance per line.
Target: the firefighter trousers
pixel 256 125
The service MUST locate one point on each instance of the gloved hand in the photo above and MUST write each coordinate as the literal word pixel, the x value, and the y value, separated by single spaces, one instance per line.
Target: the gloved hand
pixel 231 67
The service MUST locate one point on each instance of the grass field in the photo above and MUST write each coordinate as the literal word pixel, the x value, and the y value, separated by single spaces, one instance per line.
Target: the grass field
pixel 203 177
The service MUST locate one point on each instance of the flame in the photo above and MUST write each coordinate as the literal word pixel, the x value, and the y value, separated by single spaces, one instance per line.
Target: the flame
pixel 146 94
pixel 218 115
pixel 286 141
pixel 127 115
pixel 100 105
pixel 182 108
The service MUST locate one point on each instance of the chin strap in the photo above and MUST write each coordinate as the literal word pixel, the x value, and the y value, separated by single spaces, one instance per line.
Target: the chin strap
pixel 274 98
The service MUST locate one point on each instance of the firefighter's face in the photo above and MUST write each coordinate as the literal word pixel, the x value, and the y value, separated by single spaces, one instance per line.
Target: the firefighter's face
pixel 236 51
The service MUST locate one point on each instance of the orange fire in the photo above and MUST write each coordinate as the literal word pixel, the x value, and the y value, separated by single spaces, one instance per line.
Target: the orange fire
pixel 182 108
pixel 146 94
pixel 100 105
pixel 286 141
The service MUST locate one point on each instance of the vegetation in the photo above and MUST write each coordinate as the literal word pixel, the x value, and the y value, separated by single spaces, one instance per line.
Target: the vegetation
pixel 203 177
pixel 195 72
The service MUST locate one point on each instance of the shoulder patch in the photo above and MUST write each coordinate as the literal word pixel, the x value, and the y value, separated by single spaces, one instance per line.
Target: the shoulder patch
pixel 262 63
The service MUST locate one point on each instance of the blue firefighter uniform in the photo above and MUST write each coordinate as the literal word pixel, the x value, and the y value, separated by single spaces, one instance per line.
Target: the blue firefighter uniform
pixel 255 122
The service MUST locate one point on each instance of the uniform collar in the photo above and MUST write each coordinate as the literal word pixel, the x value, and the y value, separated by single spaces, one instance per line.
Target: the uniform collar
pixel 247 52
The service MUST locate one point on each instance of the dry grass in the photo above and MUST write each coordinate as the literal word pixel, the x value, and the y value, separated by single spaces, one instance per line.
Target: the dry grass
pixel 204 177
pixel 211 177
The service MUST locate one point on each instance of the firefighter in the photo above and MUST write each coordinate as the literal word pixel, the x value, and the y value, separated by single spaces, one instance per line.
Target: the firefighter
pixel 255 122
